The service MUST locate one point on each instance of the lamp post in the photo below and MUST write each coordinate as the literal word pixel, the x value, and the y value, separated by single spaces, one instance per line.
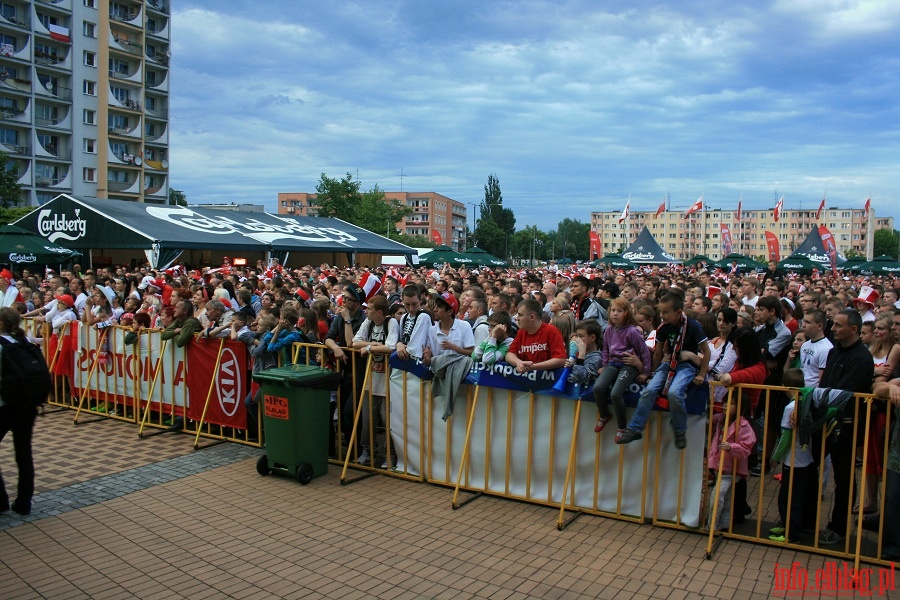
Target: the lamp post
pixel 474 222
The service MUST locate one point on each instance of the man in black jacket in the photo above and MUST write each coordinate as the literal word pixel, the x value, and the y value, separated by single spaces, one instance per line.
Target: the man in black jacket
pixel 849 366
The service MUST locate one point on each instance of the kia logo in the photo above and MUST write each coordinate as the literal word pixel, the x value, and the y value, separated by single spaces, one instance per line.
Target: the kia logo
pixel 228 384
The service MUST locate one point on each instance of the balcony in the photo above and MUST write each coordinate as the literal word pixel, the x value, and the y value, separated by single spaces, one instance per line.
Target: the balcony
pixel 14 114
pixel 128 187
pixel 18 19
pixel 16 149
pixel 158 5
pixel 19 85
pixel 49 59
pixel 157 165
pixel 120 42
pixel 133 17
pixel 157 113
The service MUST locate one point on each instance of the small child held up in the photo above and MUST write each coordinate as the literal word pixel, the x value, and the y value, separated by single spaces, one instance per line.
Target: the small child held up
pixel 587 339
pixel 736 440
pixel 497 343
pixel 804 470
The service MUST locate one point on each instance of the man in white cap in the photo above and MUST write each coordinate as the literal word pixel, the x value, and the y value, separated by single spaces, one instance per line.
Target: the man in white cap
pixel 865 303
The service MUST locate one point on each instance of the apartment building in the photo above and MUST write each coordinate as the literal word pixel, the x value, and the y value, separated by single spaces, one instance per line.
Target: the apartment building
pixel 84 97
pixel 434 216
pixel 701 232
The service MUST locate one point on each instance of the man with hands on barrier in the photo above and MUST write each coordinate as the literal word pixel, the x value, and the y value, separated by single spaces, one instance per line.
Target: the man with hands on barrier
pixel 538 346
pixel 449 334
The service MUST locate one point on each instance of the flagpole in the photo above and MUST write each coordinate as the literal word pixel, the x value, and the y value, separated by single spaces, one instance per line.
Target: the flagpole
pixel 741 224
pixel 702 226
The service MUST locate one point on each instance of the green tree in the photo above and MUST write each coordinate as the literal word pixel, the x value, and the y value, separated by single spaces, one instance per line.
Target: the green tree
pixel 341 199
pixel 10 188
pixel 413 241
pixel 495 222
pixel 8 215
pixel 887 241
pixel 177 197
pixel 573 239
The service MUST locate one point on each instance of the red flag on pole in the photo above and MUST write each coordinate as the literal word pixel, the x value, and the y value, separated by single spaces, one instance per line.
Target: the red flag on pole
pixel 661 209
pixel 436 237
pixel 867 208
pixel 624 214
pixel 772 244
pixel 779 206
pixel 741 201
pixel 821 208
pixel 698 205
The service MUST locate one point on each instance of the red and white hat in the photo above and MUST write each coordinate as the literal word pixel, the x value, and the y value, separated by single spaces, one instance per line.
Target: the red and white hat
pixel 713 291
pixel 867 296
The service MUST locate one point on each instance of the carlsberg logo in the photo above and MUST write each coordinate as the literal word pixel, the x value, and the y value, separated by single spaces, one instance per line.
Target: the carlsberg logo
pixel 58 227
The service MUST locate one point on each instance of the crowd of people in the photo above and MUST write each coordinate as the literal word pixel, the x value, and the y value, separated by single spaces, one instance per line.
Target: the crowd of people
pixel 669 328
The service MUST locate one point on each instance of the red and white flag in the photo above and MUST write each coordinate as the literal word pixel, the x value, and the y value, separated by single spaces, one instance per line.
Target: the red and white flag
pixel 741 201
pixel 821 208
pixel 661 209
pixel 370 285
pixel 436 237
pixel 698 205
pixel 624 214
pixel 779 206
pixel 59 33
pixel 867 208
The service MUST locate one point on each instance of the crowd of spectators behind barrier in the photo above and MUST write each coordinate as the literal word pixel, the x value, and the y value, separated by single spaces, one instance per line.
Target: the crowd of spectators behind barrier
pixel 696 324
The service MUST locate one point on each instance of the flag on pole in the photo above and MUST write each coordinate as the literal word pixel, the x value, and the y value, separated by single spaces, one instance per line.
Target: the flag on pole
pixel 821 208
pixel 698 205
pixel 741 201
pixel 779 206
pixel 624 214
pixel 662 208
pixel 594 241
pixel 773 246
pixel 867 208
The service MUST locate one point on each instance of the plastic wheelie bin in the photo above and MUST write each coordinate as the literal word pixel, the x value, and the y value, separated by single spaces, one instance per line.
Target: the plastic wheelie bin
pixel 296 419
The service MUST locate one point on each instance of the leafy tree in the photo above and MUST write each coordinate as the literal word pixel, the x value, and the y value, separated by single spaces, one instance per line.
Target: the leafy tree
pixel 573 239
pixel 10 188
pixel 887 241
pixel 495 221
pixel 530 242
pixel 8 215
pixel 413 241
pixel 177 197
pixel 341 199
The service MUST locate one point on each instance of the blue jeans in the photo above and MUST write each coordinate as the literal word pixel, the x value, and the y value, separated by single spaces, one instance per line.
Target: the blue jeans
pixel 684 374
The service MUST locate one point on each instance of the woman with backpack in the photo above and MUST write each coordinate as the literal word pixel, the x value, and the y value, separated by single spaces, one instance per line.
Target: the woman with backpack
pixel 17 409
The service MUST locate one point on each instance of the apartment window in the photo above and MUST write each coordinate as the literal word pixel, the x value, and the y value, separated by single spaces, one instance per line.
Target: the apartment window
pixel 90 88
pixel 119 176
pixel 90 59
pixel 89 117
pixel 8 11
pixel 121 94
pixel 8 40
pixel 90 145
pixel 89 29
pixel 845 215
pixel 118 122
pixel 89 174
pixel 150 130
pixel 9 137
pixel 119 149
pixel 46 115
pixel 89 4
pixel 8 104
pixel 118 66
pixel 47 20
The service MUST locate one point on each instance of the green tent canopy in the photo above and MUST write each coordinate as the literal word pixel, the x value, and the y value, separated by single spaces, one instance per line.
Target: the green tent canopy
pixel 798 264
pixel 699 258
pixel 20 247
pixel 444 254
pixel 745 263
pixel 615 261
pixel 483 258
pixel 880 265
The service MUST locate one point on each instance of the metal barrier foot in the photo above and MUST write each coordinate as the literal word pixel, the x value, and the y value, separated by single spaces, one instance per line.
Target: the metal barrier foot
pixel 560 525
pixel 466 501
pixel 345 481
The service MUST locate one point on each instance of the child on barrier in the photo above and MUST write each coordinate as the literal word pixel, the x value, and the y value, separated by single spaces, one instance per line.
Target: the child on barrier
pixel 496 345
pixel 672 374
pixel 798 461
pixel 262 361
pixel 377 336
pixel 621 340
pixel 586 364
pixel 736 440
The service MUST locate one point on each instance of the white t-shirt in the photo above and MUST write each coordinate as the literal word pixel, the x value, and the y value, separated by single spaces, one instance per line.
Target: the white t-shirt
pixel 387 333
pixel 746 301
pixel 460 335
pixel 812 358
pixel 803 457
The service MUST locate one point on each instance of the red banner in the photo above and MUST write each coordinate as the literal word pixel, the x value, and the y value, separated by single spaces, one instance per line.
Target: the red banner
pixel 230 382
pixel 830 248
pixel 436 237
pixel 595 244
pixel 772 243
pixel 726 240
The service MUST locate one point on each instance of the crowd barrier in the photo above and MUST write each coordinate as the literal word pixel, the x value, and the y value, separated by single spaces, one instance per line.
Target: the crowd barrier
pixel 507 435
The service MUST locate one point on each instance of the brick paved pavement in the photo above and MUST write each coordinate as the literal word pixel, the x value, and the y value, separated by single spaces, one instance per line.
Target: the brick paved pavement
pixel 205 525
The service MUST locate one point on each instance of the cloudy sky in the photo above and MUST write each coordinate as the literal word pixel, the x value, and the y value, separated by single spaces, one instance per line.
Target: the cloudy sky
pixel 573 104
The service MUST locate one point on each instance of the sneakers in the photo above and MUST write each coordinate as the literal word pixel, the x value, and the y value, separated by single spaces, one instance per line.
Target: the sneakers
pixel 830 538
pixel 619 433
pixel 364 458
pixel 601 423
pixel 389 464
pixel 628 436
pixel 780 539
pixel 680 440
pixel 777 530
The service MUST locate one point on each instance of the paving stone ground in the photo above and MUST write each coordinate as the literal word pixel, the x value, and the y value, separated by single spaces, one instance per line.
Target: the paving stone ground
pixel 157 519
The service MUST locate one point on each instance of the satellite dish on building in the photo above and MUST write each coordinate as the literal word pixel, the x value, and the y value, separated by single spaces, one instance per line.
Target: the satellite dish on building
pixel 138 160
pixel 165 164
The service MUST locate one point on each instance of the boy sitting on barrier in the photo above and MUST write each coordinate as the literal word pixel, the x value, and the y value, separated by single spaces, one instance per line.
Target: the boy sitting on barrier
pixel 804 470
pixel 672 375
pixel 538 346
pixel 496 345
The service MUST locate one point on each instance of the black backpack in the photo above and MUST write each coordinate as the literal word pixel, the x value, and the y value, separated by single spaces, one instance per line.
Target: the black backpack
pixel 25 379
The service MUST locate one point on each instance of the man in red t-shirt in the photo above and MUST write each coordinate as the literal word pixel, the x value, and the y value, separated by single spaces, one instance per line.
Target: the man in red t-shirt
pixel 538 346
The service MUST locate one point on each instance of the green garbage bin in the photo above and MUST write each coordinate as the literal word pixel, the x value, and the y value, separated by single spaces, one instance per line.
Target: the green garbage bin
pixel 296 417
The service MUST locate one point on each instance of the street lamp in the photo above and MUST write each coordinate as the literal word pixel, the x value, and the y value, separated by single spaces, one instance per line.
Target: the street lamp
pixel 474 222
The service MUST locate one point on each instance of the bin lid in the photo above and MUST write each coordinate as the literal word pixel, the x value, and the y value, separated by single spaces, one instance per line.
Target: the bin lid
pixel 308 376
